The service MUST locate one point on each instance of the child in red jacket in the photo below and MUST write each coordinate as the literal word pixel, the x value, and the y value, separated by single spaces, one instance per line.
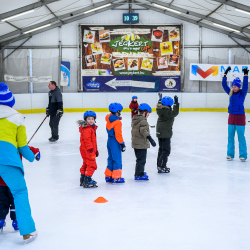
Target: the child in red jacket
pixel 7 200
pixel 134 106
pixel 88 149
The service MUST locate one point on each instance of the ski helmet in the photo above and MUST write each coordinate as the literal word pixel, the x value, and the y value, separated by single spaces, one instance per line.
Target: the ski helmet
pixel 89 113
pixel 145 106
pixel 134 97
pixel 115 107
pixel 236 82
pixel 167 101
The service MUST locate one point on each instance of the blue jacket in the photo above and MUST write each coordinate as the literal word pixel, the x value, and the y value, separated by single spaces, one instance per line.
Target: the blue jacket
pixel 236 101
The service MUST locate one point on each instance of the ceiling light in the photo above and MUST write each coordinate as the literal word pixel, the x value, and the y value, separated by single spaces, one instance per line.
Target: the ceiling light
pixel 243 11
pixel 106 5
pixel 165 8
pixel 225 27
pixel 17 15
pixel 37 28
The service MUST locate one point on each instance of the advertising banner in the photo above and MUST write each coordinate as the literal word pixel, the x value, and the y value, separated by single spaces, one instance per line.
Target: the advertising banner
pixel 211 72
pixel 34 79
pixel 65 74
pixel 113 54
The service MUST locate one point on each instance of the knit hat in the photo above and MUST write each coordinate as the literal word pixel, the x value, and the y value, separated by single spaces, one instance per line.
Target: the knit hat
pixel 6 96
pixel 236 82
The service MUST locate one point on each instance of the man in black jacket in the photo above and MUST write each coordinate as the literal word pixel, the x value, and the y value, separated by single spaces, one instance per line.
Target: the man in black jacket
pixel 54 110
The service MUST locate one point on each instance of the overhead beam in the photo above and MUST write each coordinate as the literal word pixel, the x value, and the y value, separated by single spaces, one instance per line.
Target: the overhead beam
pixel 17 48
pixel 234 4
pixel 69 20
pixel 200 16
pixel 212 12
pixel 54 19
pixel 25 8
pixel 179 16
pixel 240 45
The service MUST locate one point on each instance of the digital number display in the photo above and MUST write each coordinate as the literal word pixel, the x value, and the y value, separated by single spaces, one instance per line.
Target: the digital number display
pixel 131 18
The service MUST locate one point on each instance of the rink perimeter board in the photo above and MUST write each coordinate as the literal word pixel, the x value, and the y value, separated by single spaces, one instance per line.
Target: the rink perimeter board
pixel 138 58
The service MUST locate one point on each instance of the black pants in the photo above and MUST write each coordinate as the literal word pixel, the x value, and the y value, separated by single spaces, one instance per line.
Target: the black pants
pixel 164 151
pixel 141 155
pixel 6 203
pixel 54 124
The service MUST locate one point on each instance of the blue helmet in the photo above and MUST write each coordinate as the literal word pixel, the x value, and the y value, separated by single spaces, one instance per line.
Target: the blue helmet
pixel 145 106
pixel 167 101
pixel 115 107
pixel 236 82
pixel 134 97
pixel 89 113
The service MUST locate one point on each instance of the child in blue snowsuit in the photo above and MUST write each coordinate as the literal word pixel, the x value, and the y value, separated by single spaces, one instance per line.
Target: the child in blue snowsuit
pixel 115 144
pixel 13 139
pixel 237 118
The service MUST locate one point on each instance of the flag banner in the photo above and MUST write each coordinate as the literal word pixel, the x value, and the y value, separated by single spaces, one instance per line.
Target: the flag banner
pixel 65 74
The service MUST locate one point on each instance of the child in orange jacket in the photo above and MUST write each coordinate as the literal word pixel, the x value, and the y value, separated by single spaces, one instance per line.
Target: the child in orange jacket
pixel 115 144
pixel 88 149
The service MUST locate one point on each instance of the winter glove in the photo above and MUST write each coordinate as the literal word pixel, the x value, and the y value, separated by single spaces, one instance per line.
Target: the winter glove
pixel 92 153
pixel 47 111
pixel 97 153
pixel 175 99
pixel 152 142
pixel 123 147
pixel 160 96
pixel 227 70
pixel 245 70
pixel 59 113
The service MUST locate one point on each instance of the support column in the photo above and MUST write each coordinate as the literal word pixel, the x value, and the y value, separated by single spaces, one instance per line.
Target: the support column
pixel 200 54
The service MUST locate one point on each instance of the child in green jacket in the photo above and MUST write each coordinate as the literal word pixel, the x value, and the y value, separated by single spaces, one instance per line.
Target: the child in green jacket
pixel 164 131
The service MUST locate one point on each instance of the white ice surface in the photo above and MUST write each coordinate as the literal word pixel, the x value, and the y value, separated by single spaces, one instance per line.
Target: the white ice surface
pixel 203 204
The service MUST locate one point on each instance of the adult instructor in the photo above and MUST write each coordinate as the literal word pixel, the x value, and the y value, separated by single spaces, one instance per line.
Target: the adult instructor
pixel 54 110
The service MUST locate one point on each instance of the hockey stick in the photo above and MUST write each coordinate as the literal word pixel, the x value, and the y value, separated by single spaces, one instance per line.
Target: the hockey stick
pixel 151 126
pixel 38 128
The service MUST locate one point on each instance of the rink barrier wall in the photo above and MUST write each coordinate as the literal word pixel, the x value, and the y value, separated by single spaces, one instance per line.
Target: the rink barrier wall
pixel 99 102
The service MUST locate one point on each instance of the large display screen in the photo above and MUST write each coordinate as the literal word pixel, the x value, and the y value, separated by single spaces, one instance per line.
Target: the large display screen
pixel 131 58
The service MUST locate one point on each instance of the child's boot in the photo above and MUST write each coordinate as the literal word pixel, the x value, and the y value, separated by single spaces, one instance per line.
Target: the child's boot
pixel 142 178
pixel 163 170
pixel 15 225
pixel 108 179
pixel 119 180
pixel 89 182
pixel 2 224
pixel 29 237
pixel 82 179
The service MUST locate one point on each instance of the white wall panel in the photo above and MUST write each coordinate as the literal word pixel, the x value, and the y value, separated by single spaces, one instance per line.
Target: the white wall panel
pixel 102 100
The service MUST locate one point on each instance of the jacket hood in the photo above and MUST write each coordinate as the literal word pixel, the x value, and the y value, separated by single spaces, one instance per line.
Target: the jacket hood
pixel 138 118
pixel 82 123
pixel 112 118
pixel 160 106
pixel 6 111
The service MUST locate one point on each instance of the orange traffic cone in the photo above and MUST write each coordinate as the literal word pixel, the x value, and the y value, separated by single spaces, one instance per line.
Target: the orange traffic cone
pixel 100 200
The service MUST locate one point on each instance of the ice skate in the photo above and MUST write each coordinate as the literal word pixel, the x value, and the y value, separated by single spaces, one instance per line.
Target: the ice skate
pixel 229 158
pixel 29 237
pixel 53 140
pixel 119 180
pixel 82 179
pixel 142 178
pixel 89 182
pixel 2 224
pixel 163 170
pixel 242 159
pixel 15 225
pixel 108 179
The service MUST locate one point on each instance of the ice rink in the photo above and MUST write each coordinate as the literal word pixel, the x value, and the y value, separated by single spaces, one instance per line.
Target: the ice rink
pixel 202 204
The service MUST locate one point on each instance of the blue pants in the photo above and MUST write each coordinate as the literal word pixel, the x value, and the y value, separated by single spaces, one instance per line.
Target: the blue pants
pixel 114 167
pixel 14 179
pixel 241 138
